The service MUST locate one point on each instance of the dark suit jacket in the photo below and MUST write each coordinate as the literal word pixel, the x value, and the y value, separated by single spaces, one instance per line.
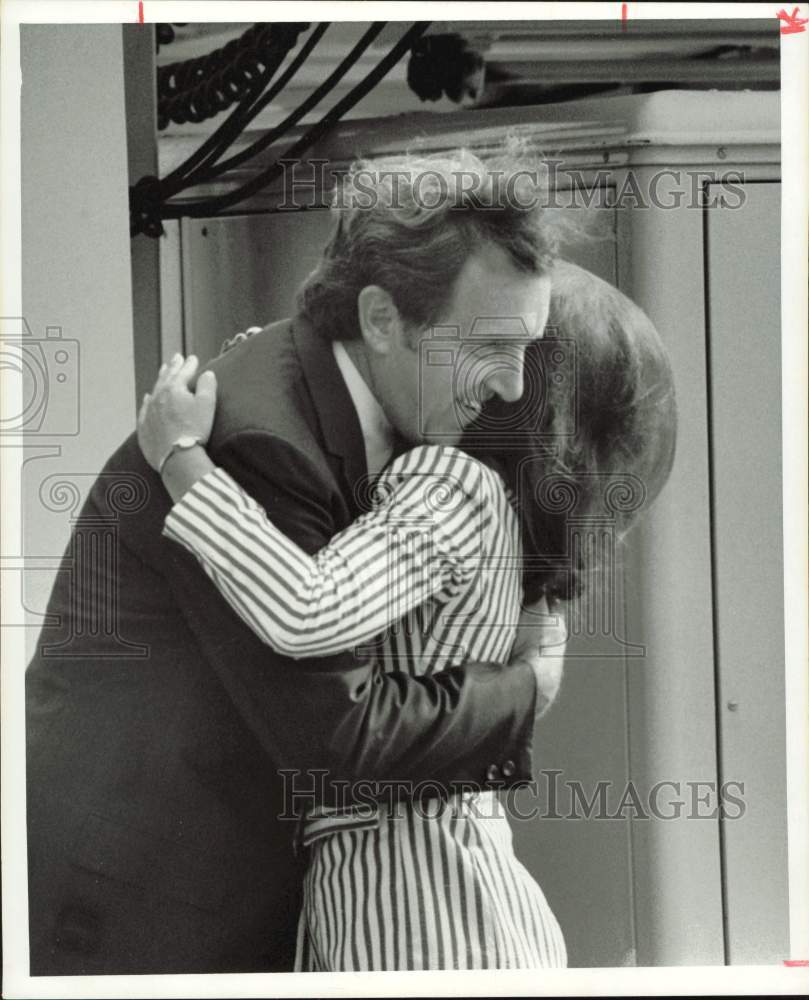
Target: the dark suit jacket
pixel 157 722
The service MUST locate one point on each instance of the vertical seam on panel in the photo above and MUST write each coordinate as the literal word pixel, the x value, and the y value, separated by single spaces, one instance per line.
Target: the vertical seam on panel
pixel 712 523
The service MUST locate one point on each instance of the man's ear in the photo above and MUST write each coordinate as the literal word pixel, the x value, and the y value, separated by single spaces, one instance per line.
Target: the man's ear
pixel 380 321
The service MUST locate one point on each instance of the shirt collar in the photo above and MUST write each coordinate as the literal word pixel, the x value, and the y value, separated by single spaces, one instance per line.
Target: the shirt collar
pixel 377 431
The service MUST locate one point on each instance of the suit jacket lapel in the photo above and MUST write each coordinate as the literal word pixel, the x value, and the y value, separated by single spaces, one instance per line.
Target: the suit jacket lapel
pixel 341 434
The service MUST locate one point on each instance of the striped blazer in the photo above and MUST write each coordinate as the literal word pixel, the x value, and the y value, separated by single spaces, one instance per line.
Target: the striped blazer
pixel 428 579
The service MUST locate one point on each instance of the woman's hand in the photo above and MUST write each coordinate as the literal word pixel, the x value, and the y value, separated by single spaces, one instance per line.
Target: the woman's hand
pixel 173 411
pixel 540 642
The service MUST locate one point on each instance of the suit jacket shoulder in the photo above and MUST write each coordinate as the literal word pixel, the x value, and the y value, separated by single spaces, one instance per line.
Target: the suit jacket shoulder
pixel 261 386
pixel 282 390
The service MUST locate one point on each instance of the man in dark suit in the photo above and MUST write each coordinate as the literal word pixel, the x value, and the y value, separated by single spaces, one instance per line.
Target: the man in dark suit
pixel 157 840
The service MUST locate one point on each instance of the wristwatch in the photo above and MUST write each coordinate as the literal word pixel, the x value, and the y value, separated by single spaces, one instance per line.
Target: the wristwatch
pixel 181 444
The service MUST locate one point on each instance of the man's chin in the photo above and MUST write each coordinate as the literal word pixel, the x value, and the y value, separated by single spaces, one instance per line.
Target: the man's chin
pixel 445 437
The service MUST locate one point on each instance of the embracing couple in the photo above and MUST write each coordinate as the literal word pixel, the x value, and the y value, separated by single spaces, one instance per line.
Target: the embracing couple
pixel 348 568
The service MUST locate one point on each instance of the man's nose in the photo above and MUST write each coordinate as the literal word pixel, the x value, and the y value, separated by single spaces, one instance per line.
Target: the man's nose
pixel 506 381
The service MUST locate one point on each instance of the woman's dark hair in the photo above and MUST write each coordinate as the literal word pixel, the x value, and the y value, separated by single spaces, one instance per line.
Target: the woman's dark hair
pixel 592 440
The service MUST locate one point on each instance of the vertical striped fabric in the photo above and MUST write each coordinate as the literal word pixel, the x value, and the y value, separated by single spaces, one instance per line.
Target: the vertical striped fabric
pixel 431 579
pixel 423 539
pixel 426 891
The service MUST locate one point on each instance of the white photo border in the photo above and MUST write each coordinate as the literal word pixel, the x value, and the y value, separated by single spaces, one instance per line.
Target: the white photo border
pixel 773 980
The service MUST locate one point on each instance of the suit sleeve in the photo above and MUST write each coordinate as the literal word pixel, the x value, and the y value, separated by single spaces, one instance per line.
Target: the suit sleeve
pixel 339 714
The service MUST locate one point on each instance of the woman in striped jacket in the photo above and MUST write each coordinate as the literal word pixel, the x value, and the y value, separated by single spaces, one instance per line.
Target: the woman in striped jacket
pixel 434 575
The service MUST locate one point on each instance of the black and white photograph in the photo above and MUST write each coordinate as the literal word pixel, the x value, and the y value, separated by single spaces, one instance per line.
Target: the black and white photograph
pixel 405 499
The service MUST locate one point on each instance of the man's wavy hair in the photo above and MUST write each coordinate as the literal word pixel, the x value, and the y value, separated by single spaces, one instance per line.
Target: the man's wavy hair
pixel 408 224
pixel 592 448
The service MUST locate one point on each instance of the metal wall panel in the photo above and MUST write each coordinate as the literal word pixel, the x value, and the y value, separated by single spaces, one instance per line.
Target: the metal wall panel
pixel 244 270
pixel 672 723
pixel 743 247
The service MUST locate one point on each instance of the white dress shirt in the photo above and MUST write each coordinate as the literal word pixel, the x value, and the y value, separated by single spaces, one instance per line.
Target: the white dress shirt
pixel 377 431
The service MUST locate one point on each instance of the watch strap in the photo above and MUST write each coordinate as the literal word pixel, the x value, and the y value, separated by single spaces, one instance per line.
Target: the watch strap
pixel 181 444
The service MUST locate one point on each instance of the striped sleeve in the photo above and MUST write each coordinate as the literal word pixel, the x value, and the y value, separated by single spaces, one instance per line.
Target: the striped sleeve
pixel 424 538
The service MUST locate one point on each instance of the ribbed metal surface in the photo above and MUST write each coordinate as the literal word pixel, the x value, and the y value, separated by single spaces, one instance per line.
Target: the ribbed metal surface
pixel 673 127
pixel 523 59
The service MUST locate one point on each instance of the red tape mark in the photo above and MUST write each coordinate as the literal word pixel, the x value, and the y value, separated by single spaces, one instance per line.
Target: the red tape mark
pixel 793 24
pixel 796 961
pixel 140 11
pixel 624 16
